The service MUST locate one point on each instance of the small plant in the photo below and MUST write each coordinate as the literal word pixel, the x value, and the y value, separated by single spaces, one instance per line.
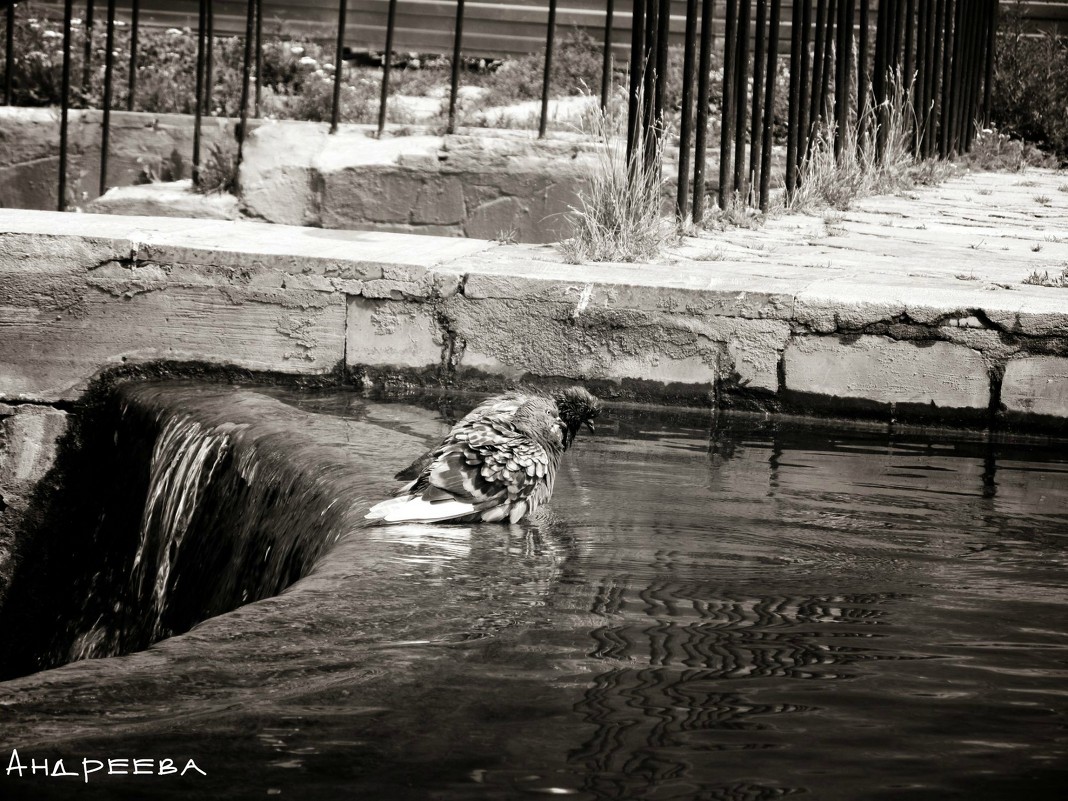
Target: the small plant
pixel 218 172
pixel 620 216
pixel 716 254
pixel 1045 279
pixel 1062 188
pixel 507 236
pixel 983 191
pixel 1035 248
pixel 965 277
pixel 1044 200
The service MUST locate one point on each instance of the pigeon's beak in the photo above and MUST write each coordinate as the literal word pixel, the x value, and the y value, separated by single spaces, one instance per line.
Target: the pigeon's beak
pixel 589 426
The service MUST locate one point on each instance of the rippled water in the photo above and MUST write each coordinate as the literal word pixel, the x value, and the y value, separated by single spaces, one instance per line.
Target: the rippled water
pixel 748 613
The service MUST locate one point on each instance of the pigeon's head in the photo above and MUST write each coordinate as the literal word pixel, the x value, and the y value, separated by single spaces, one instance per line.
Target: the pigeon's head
pixel 578 408
pixel 539 419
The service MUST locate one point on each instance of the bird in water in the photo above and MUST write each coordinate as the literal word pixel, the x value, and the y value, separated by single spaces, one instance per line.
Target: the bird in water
pixel 498 463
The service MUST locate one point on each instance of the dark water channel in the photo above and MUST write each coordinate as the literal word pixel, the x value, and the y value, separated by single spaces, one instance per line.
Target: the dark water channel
pixel 759 611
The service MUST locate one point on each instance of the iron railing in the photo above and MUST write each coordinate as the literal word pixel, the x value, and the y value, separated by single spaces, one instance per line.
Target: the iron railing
pixel 842 73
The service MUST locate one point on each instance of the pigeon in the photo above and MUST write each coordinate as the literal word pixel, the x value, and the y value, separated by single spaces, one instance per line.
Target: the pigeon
pixel 497 464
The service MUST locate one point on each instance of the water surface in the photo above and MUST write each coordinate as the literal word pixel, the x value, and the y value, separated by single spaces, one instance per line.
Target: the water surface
pixel 751 612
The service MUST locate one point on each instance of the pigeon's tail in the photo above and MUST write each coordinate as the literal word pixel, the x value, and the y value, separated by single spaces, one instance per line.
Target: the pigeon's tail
pixel 414 509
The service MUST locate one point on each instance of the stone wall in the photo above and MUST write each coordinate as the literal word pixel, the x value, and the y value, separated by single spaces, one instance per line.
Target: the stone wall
pixel 29 152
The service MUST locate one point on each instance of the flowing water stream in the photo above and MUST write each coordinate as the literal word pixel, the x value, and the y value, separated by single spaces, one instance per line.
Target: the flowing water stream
pixel 756 611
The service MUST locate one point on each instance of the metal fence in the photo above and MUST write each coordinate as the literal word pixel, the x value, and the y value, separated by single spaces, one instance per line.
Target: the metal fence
pixel 847 63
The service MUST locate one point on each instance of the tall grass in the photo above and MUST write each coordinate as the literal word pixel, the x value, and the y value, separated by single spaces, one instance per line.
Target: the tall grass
pixel 620 214
pixel 861 168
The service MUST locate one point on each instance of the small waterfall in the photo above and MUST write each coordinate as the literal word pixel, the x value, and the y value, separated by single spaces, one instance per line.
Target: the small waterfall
pixel 184 460
pixel 196 503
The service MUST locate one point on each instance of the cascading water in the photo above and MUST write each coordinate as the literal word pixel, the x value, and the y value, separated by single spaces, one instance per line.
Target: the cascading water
pixel 200 503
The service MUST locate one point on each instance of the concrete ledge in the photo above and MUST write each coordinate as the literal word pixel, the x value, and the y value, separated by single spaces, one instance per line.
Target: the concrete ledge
pixel 80 294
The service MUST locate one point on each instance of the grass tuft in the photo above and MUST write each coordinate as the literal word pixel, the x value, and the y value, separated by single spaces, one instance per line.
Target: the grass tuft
pixel 1045 279
pixel 620 217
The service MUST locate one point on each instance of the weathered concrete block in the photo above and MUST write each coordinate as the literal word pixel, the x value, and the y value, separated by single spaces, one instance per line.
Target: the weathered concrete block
pixel 169 199
pixel 28 438
pixel 1036 385
pixel 885 370
pixel 389 333
pixel 277 178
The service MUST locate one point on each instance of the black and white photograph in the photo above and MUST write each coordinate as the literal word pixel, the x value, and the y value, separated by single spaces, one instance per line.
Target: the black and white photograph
pixel 482 400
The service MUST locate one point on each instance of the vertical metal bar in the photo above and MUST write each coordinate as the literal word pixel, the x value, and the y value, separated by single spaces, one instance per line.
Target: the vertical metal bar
pixel 899 30
pixel 741 86
pixel 991 49
pixel 910 41
pixel 828 54
pixel 209 61
pixel 804 89
pixel 339 66
pixel 815 110
pixel 951 90
pixel 769 103
pixel 919 88
pixel 606 55
pixel 726 135
pixel 841 81
pixel 246 69
pixel 663 32
pixel 704 83
pixel 9 53
pixel 926 95
pixel 259 53
pixel 756 114
pixel 976 35
pixel 454 82
pixel 547 75
pixel 87 55
pixel 387 64
pixel 636 69
pixel 793 133
pixel 863 78
pixel 935 104
pixel 109 67
pixel 948 33
pixel 135 25
pixel 68 13
pixel 682 196
pixel 652 10
pixel 201 36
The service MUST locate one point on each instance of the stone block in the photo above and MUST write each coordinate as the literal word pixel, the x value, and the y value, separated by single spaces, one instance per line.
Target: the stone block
pixel 28 440
pixel 1036 385
pixel 440 201
pixel 391 333
pixel 884 370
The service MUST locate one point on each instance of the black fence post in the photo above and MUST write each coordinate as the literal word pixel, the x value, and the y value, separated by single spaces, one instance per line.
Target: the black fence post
pixel 339 65
pixel 946 43
pixel 682 195
pixel 87 49
pixel 547 74
pixel 387 65
pixel 756 112
pixel 726 135
pixel 454 83
pixel 828 56
pixel 109 66
pixel 9 54
pixel 704 81
pixel 793 127
pixel 920 87
pixel 815 111
pixel 803 88
pixel 769 103
pixel 741 107
pixel 201 36
pixel 991 49
pixel 250 33
pixel 842 50
pixel 259 53
pixel 662 44
pixel 131 79
pixel 68 13
pixel 637 68
pixel 652 9
pixel 209 61
pixel 606 55
pixel 863 80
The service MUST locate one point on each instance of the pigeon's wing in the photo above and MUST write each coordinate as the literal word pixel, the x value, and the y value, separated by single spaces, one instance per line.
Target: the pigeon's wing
pixel 484 469
pixel 501 408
